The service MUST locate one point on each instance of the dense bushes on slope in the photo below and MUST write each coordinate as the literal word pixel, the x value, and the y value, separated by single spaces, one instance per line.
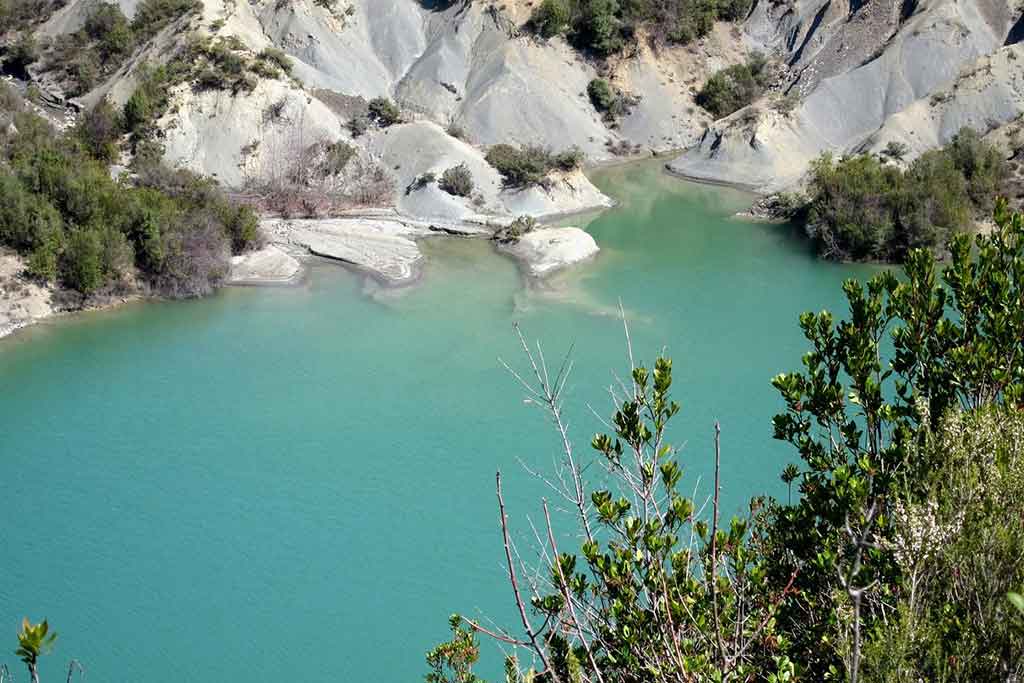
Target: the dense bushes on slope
pixel 457 181
pixel 108 38
pixel 60 206
pixel 894 561
pixel 734 87
pixel 531 165
pixel 609 100
pixel 860 208
pixel 607 26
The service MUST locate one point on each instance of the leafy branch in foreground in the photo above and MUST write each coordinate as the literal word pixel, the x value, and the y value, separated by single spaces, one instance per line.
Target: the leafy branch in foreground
pixel 657 591
pixel 33 642
pixel 895 561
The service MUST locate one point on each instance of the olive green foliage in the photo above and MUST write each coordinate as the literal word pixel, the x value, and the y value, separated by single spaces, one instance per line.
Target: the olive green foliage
pixel 452 662
pixel 384 112
pixel 551 17
pixel 100 130
pixel 863 209
pixel 528 166
pixel 457 181
pixel 896 559
pixel 609 100
pixel 225 63
pixel 151 16
pixel 332 158
pixel 734 87
pixel 649 571
pixel 606 27
pixel 956 343
pixel 60 207
pixel 896 150
pixel 277 58
pixel 18 15
pixel 107 39
pixel 959 552
pixel 983 166
pixel 222 64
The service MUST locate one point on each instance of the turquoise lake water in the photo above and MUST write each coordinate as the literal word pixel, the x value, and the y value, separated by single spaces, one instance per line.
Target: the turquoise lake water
pixel 296 484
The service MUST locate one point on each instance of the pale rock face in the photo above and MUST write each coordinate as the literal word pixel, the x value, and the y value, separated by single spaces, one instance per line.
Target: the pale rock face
pixel 227 137
pixel 548 250
pixel 865 77
pixel 384 248
pixel 863 71
pixel 467 65
pixel 21 302
pixel 411 150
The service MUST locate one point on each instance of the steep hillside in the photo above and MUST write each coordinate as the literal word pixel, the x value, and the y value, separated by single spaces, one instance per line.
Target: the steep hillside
pixel 849 75
pixel 866 73
pixel 466 76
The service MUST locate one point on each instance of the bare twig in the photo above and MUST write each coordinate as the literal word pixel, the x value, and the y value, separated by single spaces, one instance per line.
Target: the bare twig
pixel 72 665
pixel 515 584
pixel 568 596
pixel 713 578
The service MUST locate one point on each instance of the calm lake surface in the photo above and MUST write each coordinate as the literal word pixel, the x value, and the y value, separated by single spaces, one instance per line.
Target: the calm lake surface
pixel 297 484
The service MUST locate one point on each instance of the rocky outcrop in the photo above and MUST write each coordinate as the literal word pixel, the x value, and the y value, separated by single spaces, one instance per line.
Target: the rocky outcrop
pixel 548 250
pixel 860 73
pixel 866 72
pixel 22 302
pixel 270 265
pixel 465 69
pixel 384 248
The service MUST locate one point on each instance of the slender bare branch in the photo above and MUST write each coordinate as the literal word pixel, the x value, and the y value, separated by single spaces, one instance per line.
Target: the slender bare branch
pixel 515 584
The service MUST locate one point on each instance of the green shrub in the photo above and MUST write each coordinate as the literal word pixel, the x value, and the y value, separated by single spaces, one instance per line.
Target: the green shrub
pixel 601 94
pixel 860 208
pixel 177 230
pixel 43 261
pixel 520 167
pixel 384 112
pixel 138 110
pixel 734 87
pixel 551 17
pixel 334 157
pixel 278 58
pixel 896 150
pixel 107 26
pixel 568 160
pixel 27 220
pixel 931 204
pixel 153 15
pixel 600 28
pixel 530 165
pixel 734 10
pixel 851 212
pixel 457 181
pixel 82 261
pixel 100 131
pixel 983 167
pixel 243 227
pixel 609 100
